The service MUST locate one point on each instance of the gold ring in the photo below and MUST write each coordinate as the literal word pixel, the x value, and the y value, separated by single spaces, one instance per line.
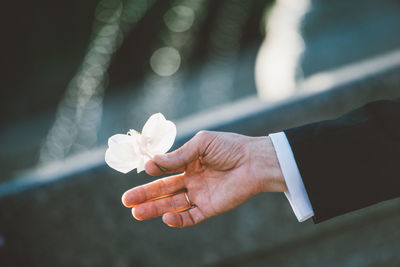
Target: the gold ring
pixel 188 200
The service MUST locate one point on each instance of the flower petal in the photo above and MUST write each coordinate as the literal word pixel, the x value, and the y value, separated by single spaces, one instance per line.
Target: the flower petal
pixel 121 154
pixel 117 164
pixel 142 163
pixel 159 134
pixel 140 166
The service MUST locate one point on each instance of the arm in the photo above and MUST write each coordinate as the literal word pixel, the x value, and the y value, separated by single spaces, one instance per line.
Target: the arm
pixel 345 164
pixel 351 162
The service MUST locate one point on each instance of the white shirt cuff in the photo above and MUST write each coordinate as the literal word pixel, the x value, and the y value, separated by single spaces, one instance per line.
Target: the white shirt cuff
pixel 297 194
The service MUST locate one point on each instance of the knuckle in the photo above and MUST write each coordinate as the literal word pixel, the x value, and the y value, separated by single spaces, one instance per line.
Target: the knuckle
pixel 162 187
pixel 204 137
pixel 158 208
pixel 203 134
pixel 191 219
pixel 180 223
pixel 204 140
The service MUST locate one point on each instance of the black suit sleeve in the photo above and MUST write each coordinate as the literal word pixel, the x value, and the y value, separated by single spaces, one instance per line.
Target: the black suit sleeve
pixel 351 162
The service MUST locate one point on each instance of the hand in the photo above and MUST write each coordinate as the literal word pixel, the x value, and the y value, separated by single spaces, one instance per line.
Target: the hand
pixel 219 171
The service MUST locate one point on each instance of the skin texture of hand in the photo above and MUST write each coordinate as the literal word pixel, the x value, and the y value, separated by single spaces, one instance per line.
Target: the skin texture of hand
pixel 218 171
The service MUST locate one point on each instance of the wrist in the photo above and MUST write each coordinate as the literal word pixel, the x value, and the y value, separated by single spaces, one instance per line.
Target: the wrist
pixel 265 166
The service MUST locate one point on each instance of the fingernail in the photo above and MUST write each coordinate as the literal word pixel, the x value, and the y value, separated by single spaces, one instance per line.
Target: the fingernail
pixel 162 168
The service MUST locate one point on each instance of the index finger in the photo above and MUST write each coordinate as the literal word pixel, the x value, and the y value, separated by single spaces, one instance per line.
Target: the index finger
pixel 156 189
pixel 155 170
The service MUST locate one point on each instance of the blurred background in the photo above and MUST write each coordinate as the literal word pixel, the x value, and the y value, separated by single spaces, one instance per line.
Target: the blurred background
pixel 74 73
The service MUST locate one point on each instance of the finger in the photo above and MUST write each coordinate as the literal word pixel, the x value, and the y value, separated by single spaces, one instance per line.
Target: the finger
pixel 187 153
pixel 155 170
pixel 158 207
pixel 183 219
pixel 159 188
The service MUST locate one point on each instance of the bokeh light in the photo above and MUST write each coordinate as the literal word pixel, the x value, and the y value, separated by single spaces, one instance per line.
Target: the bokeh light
pixel 165 61
pixel 79 113
pixel 179 18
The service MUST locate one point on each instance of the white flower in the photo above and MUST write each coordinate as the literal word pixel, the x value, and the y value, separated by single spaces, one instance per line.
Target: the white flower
pixel 132 150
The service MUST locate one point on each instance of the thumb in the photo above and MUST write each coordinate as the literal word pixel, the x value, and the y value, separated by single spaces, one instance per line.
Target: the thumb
pixel 179 158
